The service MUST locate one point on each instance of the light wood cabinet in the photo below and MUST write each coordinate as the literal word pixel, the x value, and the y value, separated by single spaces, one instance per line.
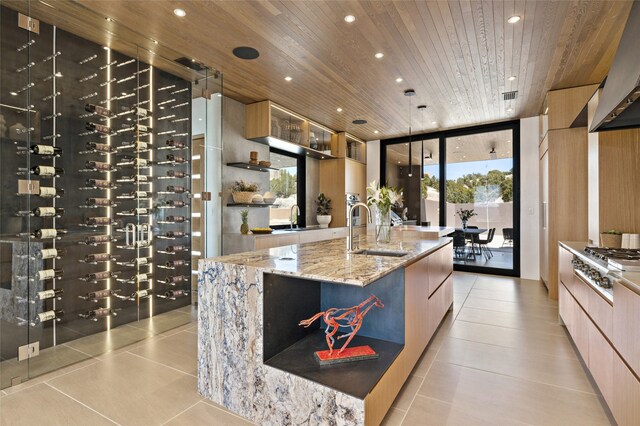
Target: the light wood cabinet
pixel 565 106
pixel 626 325
pixel 626 395
pixel 416 288
pixel 440 266
pixel 601 359
pixel 237 243
pixel 564 198
pixel 276 241
pixel 339 177
pixel 269 123
pixel 439 304
pixel 601 312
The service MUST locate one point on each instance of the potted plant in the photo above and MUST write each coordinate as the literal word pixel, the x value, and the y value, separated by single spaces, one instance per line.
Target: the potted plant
pixel 242 192
pixel 465 215
pixel 383 198
pixel 611 239
pixel 244 228
pixel 323 210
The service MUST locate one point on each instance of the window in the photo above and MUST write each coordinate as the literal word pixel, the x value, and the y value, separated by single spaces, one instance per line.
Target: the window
pixel 287 185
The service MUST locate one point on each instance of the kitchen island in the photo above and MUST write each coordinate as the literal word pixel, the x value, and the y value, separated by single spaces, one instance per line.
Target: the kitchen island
pixel 256 361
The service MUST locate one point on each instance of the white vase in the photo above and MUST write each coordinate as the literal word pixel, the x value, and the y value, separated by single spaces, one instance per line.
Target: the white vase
pixel 323 220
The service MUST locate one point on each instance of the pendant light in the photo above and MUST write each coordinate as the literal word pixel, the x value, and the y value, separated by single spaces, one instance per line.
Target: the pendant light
pixel 410 93
pixel 422 109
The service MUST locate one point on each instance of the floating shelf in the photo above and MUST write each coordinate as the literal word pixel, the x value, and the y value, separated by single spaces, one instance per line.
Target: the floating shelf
pixel 292 147
pixel 249 166
pixel 251 205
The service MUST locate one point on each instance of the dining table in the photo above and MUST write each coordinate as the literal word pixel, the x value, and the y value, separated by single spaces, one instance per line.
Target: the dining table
pixel 471 233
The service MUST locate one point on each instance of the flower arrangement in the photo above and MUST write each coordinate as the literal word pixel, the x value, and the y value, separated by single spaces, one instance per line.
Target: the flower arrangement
pixel 466 214
pixel 383 197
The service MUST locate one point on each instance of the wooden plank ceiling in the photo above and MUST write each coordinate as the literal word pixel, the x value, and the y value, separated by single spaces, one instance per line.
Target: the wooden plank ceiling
pixel 456 55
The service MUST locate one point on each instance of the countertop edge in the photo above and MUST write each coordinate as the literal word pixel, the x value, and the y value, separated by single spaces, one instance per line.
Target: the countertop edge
pixel 630 282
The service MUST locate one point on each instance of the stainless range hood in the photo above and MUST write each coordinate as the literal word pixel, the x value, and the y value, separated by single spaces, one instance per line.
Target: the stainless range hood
pixel 619 106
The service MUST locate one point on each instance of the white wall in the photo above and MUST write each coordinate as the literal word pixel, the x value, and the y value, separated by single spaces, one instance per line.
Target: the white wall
pixel 529 199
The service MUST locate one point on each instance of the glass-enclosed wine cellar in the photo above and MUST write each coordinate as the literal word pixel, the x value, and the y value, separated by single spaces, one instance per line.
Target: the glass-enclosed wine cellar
pixel 96 195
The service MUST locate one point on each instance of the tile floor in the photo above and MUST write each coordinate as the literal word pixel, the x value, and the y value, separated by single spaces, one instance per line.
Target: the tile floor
pixel 499 358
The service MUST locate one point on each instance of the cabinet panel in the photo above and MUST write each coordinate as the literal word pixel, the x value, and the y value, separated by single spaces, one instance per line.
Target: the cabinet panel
pixel 601 312
pixel 564 266
pixel 626 325
pixel 439 303
pixel 581 332
pixel 566 306
pixel 440 267
pixel 544 214
pixel 355 178
pixel 601 357
pixel 626 394
pixel 416 312
pixel 581 292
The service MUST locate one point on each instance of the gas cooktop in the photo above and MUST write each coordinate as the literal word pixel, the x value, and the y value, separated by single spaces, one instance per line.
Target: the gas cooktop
pixel 622 259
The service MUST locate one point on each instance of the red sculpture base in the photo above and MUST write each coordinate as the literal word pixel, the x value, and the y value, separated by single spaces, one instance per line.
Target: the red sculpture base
pixel 358 353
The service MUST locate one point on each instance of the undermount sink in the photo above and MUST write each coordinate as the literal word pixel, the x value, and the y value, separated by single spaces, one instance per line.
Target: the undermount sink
pixel 388 253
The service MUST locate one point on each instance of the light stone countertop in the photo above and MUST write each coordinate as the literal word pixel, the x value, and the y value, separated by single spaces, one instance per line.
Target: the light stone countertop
pixel 330 260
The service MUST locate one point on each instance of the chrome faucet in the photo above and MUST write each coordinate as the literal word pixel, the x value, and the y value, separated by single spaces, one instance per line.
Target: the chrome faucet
pixel 295 206
pixel 349 217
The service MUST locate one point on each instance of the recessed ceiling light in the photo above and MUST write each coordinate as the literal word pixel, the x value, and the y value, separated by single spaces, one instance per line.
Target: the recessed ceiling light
pixel 179 12
pixel 398 162
pixel 513 19
pixel 349 18
pixel 109 19
pixel 245 52
pixel 339 109
pixel 376 132
pixel 155 41
pixel 434 122
pixel 193 60
pixel 288 78
pixel 509 109
pixel 399 80
pixel 513 77
pixel 379 55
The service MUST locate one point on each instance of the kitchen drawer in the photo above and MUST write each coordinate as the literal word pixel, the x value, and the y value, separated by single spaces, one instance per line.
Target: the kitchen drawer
pixel 565 269
pixel 566 306
pixel 581 332
pixel 439 303
pixel 581 291
pixel 626 325
pixel 626 395
pixel 440 266
pixel 601 359
pixel 601 313
pixel 342 232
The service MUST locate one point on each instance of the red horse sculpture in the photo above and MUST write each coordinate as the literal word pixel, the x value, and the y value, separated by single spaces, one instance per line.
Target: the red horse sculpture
pixel 345 317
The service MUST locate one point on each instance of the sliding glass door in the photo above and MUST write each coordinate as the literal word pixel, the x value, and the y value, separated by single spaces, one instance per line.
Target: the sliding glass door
pixel 469 174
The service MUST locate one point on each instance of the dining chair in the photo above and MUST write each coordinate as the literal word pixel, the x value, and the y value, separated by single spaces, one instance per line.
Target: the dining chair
pixel 484 244
pixel 507 234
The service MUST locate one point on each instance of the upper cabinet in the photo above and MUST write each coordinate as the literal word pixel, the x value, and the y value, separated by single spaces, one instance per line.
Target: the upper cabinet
pixel 568 107
pixel 271 124
pixel 348 146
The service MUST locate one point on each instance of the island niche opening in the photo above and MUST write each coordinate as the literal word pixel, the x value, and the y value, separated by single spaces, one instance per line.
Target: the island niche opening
pixel 290 347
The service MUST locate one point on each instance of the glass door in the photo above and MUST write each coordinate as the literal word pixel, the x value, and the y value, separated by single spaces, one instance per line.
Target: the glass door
pixel 479 200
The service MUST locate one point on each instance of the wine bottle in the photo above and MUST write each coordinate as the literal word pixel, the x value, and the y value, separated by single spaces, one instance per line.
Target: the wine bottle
pixel 174 234
pixel 50 192
pixel 141 128
pixel 141 261
pixel 137 194
pixel 100 128
pixel 100 147
pixel 138 211
pixel 95 239
pixel 174 279
pixel 175 174
pixel 98 313
pixel 141 162
pixel 175 203
pixel 99 294
pixel 49 315
pixel 97 257
pixel 99 220
pixel 48 274
pixel 141 146
pixel 101 202
pixel 51 253
pixel 99 183
pixel 174 263
pixel 97 276
pixel 140 112
pixel 177 219
pixel 48 211
pixel 176 189
pixel 46 150
pixel 175 293
pixel 48 233
pixel 47 171
pixel 100 110
pixel 174 144
pixel 140 278
pixel 175 249
pixel 49 294
pixel 97 165
pixel 176 158
pixel 142 293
